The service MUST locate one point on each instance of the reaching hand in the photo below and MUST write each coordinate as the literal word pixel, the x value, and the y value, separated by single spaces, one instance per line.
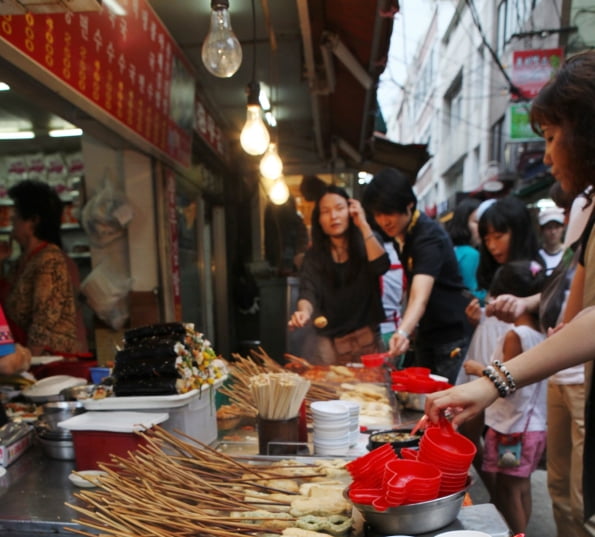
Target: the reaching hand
pixel 298 319
pixel 473 312
pixel 17 362
pixel 398 344
pixel 464 401
pixel 473 367
pixel 507 308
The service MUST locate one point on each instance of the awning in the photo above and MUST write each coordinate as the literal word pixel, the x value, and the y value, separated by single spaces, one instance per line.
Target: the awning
pixel 386 154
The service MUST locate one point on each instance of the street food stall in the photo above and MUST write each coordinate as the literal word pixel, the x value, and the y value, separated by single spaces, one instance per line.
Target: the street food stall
pixel 169 482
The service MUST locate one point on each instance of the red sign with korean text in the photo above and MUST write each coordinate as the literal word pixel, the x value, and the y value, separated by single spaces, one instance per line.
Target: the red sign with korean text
pixel 128 65
pixel 532 69
pixel 174 242
pixel 208 130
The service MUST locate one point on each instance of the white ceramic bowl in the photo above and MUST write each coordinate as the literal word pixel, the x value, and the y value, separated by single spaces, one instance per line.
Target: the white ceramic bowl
pixel 329 409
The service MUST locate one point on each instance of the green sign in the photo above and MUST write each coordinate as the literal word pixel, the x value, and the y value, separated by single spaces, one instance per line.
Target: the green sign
pixel 519 127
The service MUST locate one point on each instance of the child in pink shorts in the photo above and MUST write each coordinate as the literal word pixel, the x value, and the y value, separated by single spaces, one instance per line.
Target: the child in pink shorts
pixel 516 425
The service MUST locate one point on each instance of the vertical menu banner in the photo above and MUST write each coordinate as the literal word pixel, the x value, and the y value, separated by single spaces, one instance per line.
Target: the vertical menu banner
pixel 174 242
pixel 127 65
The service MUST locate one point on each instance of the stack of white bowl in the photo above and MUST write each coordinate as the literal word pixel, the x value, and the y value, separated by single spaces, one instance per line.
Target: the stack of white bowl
pixel 331 421
pixel 353 407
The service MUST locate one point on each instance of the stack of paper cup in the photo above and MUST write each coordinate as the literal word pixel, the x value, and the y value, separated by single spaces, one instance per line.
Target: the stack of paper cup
pixel 331 422
pixel 353 407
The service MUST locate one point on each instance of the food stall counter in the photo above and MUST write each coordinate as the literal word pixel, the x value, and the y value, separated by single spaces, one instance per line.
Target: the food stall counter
pixel 33 493
pixel 35 489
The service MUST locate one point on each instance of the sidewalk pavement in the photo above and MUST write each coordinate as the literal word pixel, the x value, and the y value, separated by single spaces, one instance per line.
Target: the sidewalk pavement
pixel 541 523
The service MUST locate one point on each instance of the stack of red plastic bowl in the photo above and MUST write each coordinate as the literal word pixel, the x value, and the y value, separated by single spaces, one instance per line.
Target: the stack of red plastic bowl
pixel 369 468
pixel 454 452
pixel 410 482
pixel 416 380
pixel 367 472
pixel 382 480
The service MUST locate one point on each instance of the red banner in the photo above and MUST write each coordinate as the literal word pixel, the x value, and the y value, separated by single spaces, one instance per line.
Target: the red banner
pixel 532 69
pixel 174 242
pixel 208 130
pixel 127 65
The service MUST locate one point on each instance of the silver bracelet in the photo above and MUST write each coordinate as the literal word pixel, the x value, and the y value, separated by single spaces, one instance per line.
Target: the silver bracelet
pixel 403 333
pixel 507 375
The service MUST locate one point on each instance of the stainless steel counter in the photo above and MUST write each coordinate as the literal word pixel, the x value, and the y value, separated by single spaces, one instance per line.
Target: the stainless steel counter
pixel 32 496
pixel 34 490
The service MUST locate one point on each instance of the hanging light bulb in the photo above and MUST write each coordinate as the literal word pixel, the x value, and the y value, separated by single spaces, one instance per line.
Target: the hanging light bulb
pixel 279 191
pixel 254 137
pixel 271 165
pixel 221 50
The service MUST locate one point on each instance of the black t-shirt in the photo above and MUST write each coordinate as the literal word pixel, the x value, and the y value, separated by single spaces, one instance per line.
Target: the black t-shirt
pixel 347 305
pixel 428 250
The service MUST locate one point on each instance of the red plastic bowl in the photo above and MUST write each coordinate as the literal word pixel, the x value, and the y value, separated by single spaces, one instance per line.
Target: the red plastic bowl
pixel 374 360
pixel 453 446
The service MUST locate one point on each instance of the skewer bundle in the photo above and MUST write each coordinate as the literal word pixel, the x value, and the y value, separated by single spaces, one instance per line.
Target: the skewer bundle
pixel 278 396
pixel 242 369
pixel 172 488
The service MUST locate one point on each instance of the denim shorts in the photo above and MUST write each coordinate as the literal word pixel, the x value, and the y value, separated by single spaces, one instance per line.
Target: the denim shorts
pixel 533 446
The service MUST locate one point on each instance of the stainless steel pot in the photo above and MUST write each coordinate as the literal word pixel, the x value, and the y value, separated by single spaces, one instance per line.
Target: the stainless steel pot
pixel 415 518
pixel 54 413
pixel 57 449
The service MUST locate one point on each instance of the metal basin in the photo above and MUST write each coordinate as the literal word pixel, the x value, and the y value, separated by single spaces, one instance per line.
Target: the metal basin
pixel 415 518
pixel 62 450
pixel 54 413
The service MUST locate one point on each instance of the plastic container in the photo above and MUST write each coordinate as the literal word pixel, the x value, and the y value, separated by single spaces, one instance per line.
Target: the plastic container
pixel 192 413
pixel 98 374
pixel 94 447
pixel 98 435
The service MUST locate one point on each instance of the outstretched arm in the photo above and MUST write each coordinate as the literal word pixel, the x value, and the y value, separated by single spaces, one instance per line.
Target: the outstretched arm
pixel 419 294
pixel 572 345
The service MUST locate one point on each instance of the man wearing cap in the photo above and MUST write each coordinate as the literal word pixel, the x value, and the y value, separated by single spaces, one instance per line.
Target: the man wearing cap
pixel 551 223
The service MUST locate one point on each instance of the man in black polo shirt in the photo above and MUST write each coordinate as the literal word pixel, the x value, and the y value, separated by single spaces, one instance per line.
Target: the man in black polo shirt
pixel 435 308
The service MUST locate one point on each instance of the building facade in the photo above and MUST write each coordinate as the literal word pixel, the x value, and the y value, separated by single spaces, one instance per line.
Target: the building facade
pixel 465 94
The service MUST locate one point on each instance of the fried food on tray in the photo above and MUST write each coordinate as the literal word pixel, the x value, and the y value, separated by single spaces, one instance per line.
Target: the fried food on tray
pixel 336 525
pixel 271 521
pixel 287 485
pixel 299 532
pixel 330 505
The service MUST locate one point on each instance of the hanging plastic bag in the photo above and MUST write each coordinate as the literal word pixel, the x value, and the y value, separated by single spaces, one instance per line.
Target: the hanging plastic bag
pixel 106 292
pixel 106 215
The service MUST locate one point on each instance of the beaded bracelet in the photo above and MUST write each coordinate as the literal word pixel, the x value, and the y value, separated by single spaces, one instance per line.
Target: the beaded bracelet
pixel 507 374
pixel 501 386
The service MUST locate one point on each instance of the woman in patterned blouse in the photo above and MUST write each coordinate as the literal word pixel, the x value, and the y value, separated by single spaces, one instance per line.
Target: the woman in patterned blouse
pixel 40 305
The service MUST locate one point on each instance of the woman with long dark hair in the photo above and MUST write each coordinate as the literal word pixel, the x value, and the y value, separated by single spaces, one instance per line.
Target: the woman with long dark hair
pixel 339 288
pixel 463 231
